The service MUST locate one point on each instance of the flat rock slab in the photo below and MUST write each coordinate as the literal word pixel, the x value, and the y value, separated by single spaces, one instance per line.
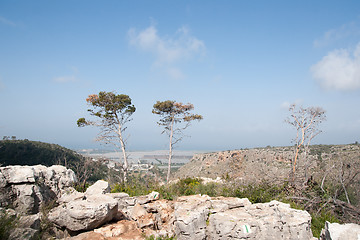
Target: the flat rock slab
pixel 84 214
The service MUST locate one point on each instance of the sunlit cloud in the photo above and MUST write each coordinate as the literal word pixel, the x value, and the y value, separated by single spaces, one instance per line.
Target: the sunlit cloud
pixel 7 22
pixel 339 70
pixel 167 50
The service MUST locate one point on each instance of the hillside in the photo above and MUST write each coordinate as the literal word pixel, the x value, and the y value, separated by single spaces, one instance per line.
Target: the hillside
pixel 25 152
pixel 273 164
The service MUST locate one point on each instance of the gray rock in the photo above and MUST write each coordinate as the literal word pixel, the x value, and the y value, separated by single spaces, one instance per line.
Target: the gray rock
pixel 30 221
pixel 100 187
pixel 274 220
pixel 26 188
pixel 220 204
pixel 18 174
pixel 336 231
pixel 84 214
pixel 191 214
pixel 153 196
pixel 23 234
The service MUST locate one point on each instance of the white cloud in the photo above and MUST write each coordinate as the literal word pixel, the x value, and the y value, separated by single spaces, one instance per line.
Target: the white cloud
pixel 167 51
pixel 65 79
pixel 7 22
pixel 339 70
pixel 345 31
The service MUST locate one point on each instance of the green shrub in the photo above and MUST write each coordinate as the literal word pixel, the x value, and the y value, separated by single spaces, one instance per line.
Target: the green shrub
pixel 7 224
pixel 318 221
pixel 160 238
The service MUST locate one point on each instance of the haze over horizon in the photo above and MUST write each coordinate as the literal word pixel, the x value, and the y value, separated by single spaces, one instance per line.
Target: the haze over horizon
pixel 241 63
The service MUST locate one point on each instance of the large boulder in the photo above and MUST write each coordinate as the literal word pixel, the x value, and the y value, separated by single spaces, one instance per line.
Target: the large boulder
pixel 86 213
pixel 274 220
pixel 26 188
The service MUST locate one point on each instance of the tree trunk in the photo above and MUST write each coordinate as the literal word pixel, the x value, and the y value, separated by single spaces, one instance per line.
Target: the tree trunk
pixel 125 166
pixel 170 149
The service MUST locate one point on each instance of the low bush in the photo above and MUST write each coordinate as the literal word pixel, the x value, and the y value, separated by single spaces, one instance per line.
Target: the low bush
pixel 7 224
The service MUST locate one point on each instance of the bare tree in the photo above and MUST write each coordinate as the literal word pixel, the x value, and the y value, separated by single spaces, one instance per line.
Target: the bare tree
pixel 306 122
pixel 173 113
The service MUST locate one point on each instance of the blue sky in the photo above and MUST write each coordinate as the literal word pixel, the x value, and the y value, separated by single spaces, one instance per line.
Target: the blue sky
pixel 241 63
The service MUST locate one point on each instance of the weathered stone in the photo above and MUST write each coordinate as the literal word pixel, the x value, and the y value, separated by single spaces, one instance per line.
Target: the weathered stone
pixel 153 196
pixel 28 198
pixel 335 231
pixel 100 187
pixel 118 196
pixel 85 214
pixel 18 174
pixel 88 236
pixel 163 212
pixel 23 234
pixel 69 195
pixel 191 213
pixel 142 217
pixel 274 220
pixel 121 230
pixel 26 188
pixel 30 221
pixel 220 204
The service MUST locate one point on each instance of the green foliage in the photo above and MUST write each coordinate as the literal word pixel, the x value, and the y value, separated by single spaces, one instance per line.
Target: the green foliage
pixel 81 187
pixel 109 107
pixel 135 186
pixel 25 152
pixel 260 193
pixel 318 221
pixel 7 224
pixel 152 237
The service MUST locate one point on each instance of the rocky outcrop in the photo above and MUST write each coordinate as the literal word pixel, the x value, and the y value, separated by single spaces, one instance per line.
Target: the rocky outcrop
pixel 202 217
pixel 274 220
pixel 26 188
pixel 99 214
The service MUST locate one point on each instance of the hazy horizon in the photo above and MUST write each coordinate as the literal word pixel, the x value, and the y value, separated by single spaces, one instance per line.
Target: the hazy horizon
pixel 241 63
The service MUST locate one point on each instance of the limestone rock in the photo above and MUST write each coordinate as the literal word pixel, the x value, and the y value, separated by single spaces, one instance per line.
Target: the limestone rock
pixel 220 204
pixel 30 221
pixel 88 236
pixel 26 188
pixel 142 217
pixel 121 230
pixel 335 231
pixel 153 196
pixel 23 234
pixel 265 221
pixel 191 213
pixel 100 187
pixel 84 214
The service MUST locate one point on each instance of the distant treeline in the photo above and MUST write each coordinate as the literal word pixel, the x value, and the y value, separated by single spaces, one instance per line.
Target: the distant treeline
pixel 25 152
